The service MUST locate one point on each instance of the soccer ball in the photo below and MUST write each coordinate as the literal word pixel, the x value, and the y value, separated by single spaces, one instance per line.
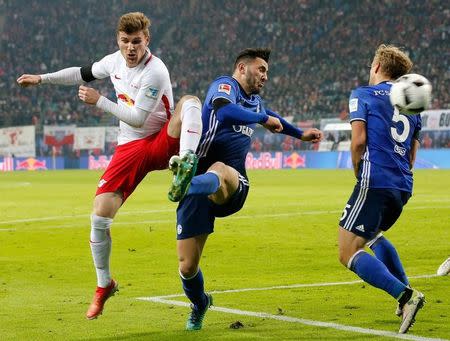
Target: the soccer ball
pixel 411 94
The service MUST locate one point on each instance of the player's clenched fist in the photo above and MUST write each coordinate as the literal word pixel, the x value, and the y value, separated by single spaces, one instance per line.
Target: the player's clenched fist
pixel 88 95
pixel 313 135
pixel 28 80
pixel 273 124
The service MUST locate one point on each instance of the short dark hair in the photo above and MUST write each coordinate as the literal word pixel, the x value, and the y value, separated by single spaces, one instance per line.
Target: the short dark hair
pixel 251 54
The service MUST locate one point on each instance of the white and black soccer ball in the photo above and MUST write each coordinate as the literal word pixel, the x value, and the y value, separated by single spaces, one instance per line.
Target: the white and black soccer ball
pixel 411 94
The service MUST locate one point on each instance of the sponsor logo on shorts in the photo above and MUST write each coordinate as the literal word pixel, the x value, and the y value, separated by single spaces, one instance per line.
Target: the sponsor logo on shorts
pixel 102 182
pixel 179 229
pixel 360 228
pixel 225 88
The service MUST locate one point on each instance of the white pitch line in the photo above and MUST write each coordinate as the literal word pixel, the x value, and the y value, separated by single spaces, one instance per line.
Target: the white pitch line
pixel 154 221
pixel 291 286
pixel 313 323
pixel 30 220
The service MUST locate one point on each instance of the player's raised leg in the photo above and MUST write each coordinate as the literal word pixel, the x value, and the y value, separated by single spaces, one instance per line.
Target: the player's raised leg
pixel 187 125
pixel 189 253
pixel 106 206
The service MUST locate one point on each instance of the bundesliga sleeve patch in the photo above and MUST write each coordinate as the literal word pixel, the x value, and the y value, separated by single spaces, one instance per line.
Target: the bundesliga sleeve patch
pixel 225 88
pixel 152 93
pixel 353 105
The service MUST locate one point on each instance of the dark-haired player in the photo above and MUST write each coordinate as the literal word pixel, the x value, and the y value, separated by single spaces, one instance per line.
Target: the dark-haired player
pixel 231 110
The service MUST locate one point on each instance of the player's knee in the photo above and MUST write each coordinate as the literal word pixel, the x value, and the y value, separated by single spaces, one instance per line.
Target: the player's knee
pixel 219 168
pixel 188 268
pixel 343 258
pixel 190 99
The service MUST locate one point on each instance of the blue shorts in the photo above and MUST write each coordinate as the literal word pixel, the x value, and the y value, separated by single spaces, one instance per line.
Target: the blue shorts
pixel 196 213
pixel 372 209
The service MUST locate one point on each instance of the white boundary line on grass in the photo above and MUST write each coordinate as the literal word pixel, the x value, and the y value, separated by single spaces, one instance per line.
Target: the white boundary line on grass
pixel 252 216
pixel 314 323
pixel 291 286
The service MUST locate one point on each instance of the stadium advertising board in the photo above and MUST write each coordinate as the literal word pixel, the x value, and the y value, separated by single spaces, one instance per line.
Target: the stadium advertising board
pixel 435 120
pixel 435 158
pixel 59 135
pixel 90 138
pixel 18 141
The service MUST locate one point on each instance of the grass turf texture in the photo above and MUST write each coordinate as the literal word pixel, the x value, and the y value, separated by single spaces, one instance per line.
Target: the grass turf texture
pixel 286 234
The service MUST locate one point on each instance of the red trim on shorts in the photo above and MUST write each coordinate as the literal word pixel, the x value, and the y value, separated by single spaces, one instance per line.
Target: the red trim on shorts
pixel 146 62
pixel 166 105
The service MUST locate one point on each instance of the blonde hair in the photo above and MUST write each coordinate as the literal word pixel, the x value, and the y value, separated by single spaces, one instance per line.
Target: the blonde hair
pixel 134 22
pixel 393 61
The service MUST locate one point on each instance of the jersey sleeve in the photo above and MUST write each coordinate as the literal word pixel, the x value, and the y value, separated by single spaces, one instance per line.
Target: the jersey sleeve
pixel 416 134
pixel 152 89
pixel 103 68
pixel 357 106
pixel 226 89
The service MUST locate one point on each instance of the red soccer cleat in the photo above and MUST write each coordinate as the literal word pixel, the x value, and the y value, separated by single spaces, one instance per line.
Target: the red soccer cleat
pixel 100 297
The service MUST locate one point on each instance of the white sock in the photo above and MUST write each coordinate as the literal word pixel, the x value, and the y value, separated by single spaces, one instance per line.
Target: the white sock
pixel 101 248
pixel 191 126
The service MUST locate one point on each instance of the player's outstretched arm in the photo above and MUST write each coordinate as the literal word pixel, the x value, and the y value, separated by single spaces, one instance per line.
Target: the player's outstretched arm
pixel 29 80
pixel 273 124
pixel 312 135
pixel 68 76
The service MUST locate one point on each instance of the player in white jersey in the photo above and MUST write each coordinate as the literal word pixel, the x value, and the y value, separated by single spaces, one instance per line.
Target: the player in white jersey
pixel 149 134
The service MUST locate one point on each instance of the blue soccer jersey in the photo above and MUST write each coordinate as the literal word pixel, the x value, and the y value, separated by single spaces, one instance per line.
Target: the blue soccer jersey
pixel 385 163
pixel 223 141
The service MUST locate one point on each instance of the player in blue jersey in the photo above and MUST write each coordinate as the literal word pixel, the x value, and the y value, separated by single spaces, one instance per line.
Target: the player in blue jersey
pixel 231 110
pixel 383 149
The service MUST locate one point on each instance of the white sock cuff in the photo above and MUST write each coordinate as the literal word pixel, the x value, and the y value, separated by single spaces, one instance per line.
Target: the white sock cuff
pixel 102 223
pixel 214 172
pixel 191 103
pixel 188 278
pixel 371 242
pixel 350 261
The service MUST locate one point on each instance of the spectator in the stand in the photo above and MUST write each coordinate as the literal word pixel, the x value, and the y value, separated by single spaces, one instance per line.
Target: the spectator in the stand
pixel 257 145
pixel 427 142
pixel 316 43
pixel 268 141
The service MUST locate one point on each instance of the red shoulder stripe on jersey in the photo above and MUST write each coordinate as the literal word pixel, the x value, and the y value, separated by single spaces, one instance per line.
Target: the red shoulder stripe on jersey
pixel 150 57
pixel 166 105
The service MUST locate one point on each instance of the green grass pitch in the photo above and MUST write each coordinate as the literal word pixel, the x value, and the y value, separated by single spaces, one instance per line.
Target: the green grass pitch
pixel 285 235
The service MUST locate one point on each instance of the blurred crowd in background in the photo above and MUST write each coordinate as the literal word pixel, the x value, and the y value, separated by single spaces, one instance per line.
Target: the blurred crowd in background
pixel 320 49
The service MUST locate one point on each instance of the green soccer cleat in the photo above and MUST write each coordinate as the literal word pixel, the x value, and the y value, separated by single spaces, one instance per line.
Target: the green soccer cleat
pixel 195 319
pixel 183 171
pixel 410 310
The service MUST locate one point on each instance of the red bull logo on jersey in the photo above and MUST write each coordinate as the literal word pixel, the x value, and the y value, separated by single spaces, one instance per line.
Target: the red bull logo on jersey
pixel 126 99
pixel 295 161
pixel 31 164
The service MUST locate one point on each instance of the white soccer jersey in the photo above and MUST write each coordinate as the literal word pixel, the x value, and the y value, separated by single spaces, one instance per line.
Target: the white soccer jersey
pixel 146 86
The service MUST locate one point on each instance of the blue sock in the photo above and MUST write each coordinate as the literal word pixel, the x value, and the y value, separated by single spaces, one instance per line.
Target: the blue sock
pixel 194 290
pixel 387 253
pixel 374 272
pixel 204 184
